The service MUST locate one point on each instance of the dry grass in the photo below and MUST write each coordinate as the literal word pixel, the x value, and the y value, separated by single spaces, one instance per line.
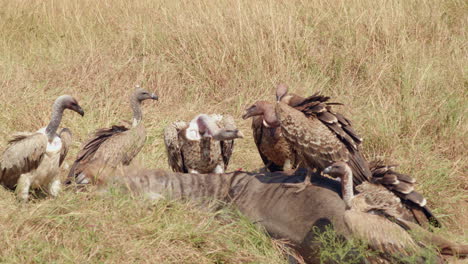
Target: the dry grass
pixel 400 67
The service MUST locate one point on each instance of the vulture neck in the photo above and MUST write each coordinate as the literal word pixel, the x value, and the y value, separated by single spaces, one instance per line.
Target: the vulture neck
pixel 206 124
pixel 136 108
pixel 269 116
pixel 56 118
pixel 347 187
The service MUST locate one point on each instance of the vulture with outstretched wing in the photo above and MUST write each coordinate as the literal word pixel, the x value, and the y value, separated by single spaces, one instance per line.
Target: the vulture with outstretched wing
pixel 32 160
pixel 385 227
pixel 203 145
pixel 113 146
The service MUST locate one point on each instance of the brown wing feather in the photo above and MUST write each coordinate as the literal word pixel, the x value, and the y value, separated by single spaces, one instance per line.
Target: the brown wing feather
pixel 316 145
pixel 110 146
pixel 318 107
pixel 23 154
pixel 66 138
pixel 381 234
pixel 173 146
pixel 399 184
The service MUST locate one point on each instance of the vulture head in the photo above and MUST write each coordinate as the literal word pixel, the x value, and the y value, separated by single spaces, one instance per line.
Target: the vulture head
pixel 337 170
pixel 141 94
pixel 68 102
pixel 281 91
pixel 205 126
pixel 264 108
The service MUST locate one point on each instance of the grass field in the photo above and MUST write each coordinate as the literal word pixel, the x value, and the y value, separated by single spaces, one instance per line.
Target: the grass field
pixel 401 68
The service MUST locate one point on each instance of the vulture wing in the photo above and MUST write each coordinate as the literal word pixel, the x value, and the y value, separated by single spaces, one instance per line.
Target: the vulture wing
pixel 318 107
pixel 66 138
pixel 227 146
pixel 24 153
pixel 380 233
pixel 173 146
pixel 402 185
pixel 257 129
pixel 91 147
pixel 316 145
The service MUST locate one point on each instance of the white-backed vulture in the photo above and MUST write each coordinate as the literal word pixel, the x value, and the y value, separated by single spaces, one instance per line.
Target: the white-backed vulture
pixel 203 145
pixel 298 218
pixel 32 160
pixel 384 227
pixel 275 151
pixel 113 146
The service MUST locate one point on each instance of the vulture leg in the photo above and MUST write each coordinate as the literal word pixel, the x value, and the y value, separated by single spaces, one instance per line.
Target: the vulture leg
pixel 54 187
pixel 218 169
pixel 287 166
pixel 22 187
pixel 300 185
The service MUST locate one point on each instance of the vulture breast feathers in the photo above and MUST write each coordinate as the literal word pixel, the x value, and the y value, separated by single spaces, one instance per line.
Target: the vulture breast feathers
pixel 275 151
pixel 203 145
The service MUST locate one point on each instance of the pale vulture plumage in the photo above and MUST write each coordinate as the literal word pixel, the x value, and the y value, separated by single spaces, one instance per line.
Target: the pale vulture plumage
pixel 204 145
pixel 384 228
pixel 113 146
pixel 32 160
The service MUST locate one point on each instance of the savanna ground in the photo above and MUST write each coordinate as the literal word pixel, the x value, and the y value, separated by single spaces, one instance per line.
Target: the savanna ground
pixel 399 66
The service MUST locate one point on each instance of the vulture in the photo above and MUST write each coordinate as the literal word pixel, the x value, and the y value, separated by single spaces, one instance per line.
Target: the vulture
pixel 384 227
pixel 203 145
pixel 275 151
pixel 319 137
pixel 113 146
pixel 32 160
pixel 261 198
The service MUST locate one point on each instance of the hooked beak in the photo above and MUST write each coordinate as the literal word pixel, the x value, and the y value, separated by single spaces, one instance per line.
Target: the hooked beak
pixel 246 114
pixel 80 111
pixel 154 96
pixel 327 170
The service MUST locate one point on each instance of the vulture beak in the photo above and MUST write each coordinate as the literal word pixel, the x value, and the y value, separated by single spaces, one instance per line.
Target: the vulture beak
pixel 79 110
pixel 327 170
pixel 154 97
pixel 240 134
pixel 246 114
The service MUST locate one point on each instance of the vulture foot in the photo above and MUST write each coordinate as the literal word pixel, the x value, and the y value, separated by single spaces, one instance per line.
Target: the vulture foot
pixel 300 185
pixel 218 169
pixel 54 187
pixel 22 188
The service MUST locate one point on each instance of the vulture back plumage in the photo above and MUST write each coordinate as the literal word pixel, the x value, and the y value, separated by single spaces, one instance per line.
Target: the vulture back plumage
pixel 191 150
pixel 113 146
pixel 32 160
